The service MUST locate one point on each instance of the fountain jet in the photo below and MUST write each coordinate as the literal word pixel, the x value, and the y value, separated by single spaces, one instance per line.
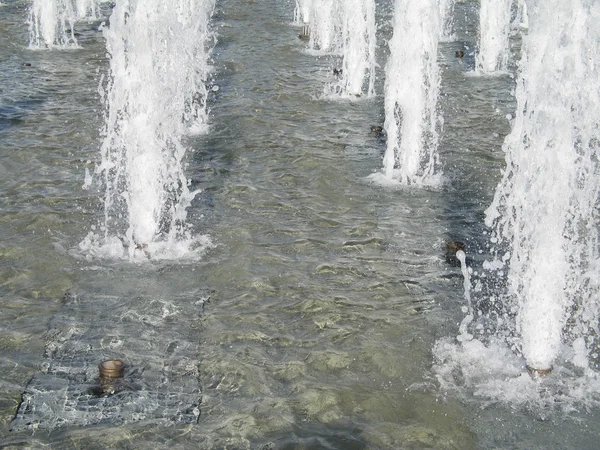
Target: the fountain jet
pixel 156 92
pixel 52 22
pixel 544 214
pixel 446 18
pixel 494 29
pixel 411 94
pixel 358 48
pixel 346 28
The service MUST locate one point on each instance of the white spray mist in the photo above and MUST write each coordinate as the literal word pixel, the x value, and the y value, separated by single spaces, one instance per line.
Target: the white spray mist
pixel 494 30
pixel 52 22
pixel 156 91
pixel 544 213
pixel 345 28
pixel 411 94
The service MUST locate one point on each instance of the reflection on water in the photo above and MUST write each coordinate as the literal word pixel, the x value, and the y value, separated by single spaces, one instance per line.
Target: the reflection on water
pixel 310 323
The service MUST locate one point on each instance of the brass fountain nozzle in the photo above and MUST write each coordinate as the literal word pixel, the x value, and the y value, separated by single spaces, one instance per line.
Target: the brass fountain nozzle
pixel 111 372
pixel 538 373
pixel 111 368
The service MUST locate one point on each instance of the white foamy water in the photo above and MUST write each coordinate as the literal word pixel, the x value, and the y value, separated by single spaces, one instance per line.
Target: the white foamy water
pixel 358 48
pixel 52 22
pixel 545 223
pixel 446 19
pixel 492 372
pixel 327 294
pixel 494 29
pixel 412 86
pixel 156 92
pixel 521 18
pixel 347 29
pixel 325 19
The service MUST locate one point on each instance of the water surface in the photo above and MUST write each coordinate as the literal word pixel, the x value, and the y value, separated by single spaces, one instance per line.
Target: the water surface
pixel 310 323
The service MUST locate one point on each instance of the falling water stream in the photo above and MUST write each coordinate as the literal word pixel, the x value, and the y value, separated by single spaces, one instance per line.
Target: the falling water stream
pixel 494 29
pixel 52 23
pixel 446 19
pixel 345 29
pixel 188 186
pixel 156 93
pixel 412 122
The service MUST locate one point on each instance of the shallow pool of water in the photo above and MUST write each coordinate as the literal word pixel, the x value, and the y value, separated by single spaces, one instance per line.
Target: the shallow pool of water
pixel 310 321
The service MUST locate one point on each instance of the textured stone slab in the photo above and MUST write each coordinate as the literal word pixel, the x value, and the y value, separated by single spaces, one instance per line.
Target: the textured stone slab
pixel 157 339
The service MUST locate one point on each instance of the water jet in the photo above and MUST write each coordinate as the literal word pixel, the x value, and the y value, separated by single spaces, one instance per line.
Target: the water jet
pixel 494 29
pixel 543 216
pixel 446 18
pixel 412 123
pixel 151 104
pixel 345 28
pixel 52 22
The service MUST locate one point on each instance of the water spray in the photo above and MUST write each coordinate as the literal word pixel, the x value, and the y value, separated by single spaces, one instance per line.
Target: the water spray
pixel 494 30
pixel 412 123
pixel 155 94
pixel 543 216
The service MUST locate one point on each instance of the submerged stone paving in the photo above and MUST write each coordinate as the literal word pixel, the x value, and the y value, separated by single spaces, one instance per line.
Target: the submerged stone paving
pixel 158 341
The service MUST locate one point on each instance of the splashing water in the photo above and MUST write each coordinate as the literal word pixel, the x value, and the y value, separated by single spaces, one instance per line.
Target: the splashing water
pixel 156 92
pixel 412 88
pixel 358 48
pixel 446 19
pixel 52 22
pixel 544 207
pixel 463 328
pixel 494 29
pixel 302 11
pixel 345 28
pixel 521 18
pixel 545 224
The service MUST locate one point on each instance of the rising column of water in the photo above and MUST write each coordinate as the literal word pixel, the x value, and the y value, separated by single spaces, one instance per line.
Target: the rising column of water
pixel 302 11
pixel 87 9
pixel 156 92
pixel 346 28
pixel 545 209
pixel 521 18
pixel 411 94
pixel 48 22
pixel 326 22
pixel 494 29
pixel 52 22
pixel 358 48
pixel 446 18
